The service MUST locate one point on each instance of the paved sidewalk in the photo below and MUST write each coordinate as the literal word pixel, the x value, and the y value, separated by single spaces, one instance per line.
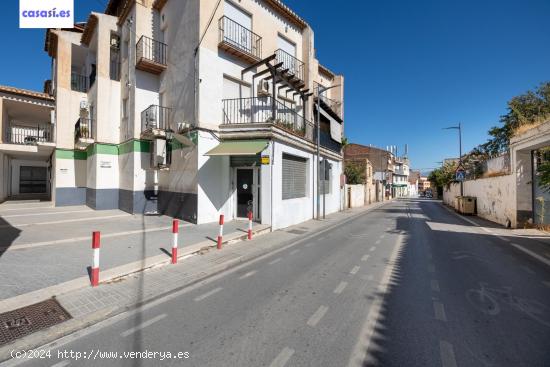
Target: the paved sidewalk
pixel 89 305
pixel 42 246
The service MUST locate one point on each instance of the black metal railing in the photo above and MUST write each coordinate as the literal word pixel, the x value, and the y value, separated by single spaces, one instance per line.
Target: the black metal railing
pixel 326 141
pixel 295 67
pixel 240 37
pixel 156 117
pixel 152 50
pixel 83 129
pixel 29 134
pixel 266 110
pixel 79 83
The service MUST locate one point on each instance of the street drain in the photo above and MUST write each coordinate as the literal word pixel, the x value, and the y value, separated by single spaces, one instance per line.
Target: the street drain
pixel 296 231
pixel 26 320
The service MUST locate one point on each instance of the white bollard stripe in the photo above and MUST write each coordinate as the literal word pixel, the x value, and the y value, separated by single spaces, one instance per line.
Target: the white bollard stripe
pixel 175 240
pixel 95 263
pixel 221 230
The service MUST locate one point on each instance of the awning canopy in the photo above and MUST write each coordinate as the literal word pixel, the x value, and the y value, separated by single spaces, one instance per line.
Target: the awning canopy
pixel 335 126
pixel 238 147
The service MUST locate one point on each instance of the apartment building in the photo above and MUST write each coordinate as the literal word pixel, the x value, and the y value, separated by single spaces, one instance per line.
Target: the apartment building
pixel 195 109
pixel 26 144
pixel 400 177
pixel 382 162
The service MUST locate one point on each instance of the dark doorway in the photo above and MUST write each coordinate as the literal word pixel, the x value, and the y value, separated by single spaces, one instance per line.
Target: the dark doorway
pixel 32 180
pixel 244 191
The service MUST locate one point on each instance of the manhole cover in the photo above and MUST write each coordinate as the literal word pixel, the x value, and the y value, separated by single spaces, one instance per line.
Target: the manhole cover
pixel 296 231
pixel 26 320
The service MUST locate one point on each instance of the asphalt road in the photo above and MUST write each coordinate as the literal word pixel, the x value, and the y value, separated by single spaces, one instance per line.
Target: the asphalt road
pixel 444 293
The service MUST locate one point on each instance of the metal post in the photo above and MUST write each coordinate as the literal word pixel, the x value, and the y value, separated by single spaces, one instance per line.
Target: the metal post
pixel 324 183
pixel 460 156
pixel 318 158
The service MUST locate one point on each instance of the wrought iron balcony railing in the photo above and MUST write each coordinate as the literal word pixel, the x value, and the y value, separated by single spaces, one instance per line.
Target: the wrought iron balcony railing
pixel 266 110
pixel 295 67
pixel 240 38
pixel 30 135
pixel 83 129
pixel 151 55
pixel 79 83
pixel 156 117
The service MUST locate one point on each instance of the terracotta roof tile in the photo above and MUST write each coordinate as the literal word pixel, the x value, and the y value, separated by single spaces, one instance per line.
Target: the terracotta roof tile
pixel 26 93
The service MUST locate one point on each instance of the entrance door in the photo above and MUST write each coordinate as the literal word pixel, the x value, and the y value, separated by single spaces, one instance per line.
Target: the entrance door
pixel 245 197
pixel 32 180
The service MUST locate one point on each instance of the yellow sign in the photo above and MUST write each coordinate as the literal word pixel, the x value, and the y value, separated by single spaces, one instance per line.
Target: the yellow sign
pixel 265 159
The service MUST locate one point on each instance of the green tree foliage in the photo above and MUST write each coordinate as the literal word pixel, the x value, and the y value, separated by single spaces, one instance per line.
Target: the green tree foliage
pixel 443 176
pixel 355 173
pixel 543 169
pixel 526 109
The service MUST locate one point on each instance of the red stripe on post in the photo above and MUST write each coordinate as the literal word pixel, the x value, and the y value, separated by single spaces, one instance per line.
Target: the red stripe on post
pixel 250 225
pixel 221 219
pixel 95 239
pixel 175 226
pixel 174 255
pixel 95 277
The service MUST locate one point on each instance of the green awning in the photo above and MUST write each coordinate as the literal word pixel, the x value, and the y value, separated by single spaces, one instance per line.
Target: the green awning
pixel 239 147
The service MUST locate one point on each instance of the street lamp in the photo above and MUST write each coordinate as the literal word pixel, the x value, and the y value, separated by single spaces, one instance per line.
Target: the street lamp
pixel 320 90
pixel 459 128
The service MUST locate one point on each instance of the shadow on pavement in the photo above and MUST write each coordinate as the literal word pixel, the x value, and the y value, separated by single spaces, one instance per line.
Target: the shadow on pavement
pixel 8 234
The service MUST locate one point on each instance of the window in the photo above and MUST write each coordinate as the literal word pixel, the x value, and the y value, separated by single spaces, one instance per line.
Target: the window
pixel 294 177
pixel 325 174
pixel 234 89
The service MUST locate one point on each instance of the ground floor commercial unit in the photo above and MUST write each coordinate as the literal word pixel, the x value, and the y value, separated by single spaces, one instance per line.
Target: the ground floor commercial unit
pixel 202 178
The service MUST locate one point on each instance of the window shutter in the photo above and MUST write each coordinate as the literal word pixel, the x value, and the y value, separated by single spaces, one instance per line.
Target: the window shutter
pixel 294 177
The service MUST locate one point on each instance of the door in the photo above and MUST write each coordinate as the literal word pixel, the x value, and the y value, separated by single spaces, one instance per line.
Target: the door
pixel 245 196
pixel 32 180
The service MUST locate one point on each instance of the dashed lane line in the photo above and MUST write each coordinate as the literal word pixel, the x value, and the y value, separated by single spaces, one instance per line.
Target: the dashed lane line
pixel 431 268
pixel 275 261
pixel 294 251
pixel 354 270
pixel 317 316
pixel 282 358
pixel 249 274
pixel 207 294
pixel 378 242
pixel 434 284
pixel 365 258
pixel 447 353
pixel 340 288
pixel 439 311
pixel 372 248
pixel 142 325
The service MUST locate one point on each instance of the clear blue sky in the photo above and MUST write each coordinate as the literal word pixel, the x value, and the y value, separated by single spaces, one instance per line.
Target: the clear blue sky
pixel 411 67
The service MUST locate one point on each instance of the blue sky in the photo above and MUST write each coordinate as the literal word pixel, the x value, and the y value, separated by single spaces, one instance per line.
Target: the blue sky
pixel 411 67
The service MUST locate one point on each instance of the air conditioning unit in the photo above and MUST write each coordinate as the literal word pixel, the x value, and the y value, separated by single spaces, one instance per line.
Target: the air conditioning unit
pixel 263 88
pixel 151 118
pixel 115 42
pixel 159 154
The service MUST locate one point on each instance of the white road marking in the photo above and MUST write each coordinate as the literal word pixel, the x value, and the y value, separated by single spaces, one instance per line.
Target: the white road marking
pixel 142 325
pixel 439 311
pixel 64 221
pixel 354 270
pixel 531 253
pixel 282 358
pixel 294 251
pixel 317 316
pixel 546 284
pixel 47 213
pixel 377 242
pixel 372 248
pixel 62 363
pixel 528 269
pixel 207 294
pixel 503 238
pixel 447 354
pixel 340 287
pixel 359 356
pixel 275 261
pixel 382 236
pixel 434 284
pixel 431 268
pixel 249 274
pixel 429 256
pixel 365 258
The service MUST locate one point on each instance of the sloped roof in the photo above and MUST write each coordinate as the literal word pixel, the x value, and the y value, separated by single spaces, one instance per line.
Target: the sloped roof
pixel 26 93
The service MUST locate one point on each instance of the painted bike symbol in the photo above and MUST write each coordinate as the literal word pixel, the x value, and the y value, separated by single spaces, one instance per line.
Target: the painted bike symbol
pixel 486 300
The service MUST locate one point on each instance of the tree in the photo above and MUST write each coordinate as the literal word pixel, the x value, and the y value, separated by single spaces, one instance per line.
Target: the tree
pixel 355 173
pixel 543 169
pixel 443 176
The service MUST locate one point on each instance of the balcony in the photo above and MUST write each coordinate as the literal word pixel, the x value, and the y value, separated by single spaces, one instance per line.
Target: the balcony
pixel 151 55
pixel 79 83
pixel 266 110
pixel 83 133
pixel 326 141
pixel 155 120
pixel 294 66
pixel 239 41
pixel 29 134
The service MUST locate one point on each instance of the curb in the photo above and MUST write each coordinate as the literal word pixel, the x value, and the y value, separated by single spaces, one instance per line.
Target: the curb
pixel 42 339
pixel 120 272
pixel 515 245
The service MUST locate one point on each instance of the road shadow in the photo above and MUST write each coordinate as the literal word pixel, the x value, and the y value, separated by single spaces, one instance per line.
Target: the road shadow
pixel 8 235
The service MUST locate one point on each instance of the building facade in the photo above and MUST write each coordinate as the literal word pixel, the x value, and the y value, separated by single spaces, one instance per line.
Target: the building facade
pixel 195 109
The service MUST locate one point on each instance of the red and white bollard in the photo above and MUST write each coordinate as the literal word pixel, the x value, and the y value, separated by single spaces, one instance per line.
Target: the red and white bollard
pixel 250 225
pixel 95 261
pixel 220 235
pixel 175 229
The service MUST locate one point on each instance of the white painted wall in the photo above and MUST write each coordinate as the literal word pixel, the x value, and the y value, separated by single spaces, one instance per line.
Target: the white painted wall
pixel 4 180
pixel 495 196
pixel 70 172
pixel 355 196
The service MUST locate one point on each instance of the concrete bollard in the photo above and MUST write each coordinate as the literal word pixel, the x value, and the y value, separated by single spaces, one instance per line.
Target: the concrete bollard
pixel 250 225
pixel 220 235
pixel 175 229
pixel 95 260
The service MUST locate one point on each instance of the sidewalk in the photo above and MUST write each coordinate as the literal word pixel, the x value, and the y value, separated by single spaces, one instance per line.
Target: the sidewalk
pixel 532 242
pixel 89 305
